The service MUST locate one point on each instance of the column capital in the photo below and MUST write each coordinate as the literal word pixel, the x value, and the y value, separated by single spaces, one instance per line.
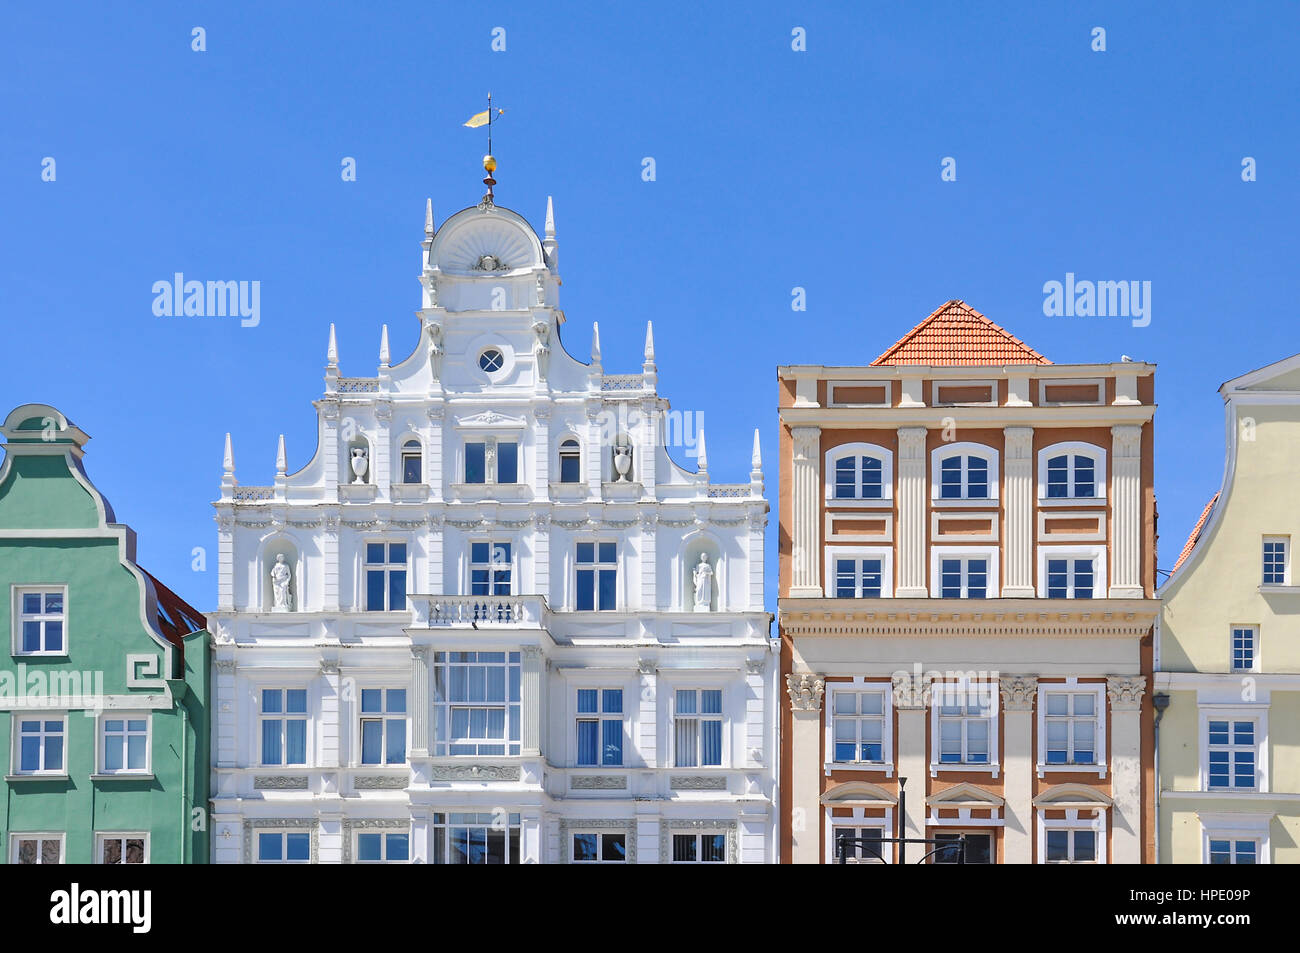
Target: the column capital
pixel 807 441
pixel 1126 692
pixel 1126 440
pixel 911 692
pixel 1019 443
pixel 805 690
pixel 1018 692
pixel 911 443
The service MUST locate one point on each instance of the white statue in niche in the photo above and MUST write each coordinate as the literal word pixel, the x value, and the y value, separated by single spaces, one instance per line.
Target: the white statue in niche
pixel 702 577
pixel 623 462
pixel 435 348
pixel 360 463
pixel 282 599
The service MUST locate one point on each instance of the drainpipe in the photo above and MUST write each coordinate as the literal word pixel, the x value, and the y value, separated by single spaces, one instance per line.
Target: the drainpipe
pixel 185 782
pixel 1159 701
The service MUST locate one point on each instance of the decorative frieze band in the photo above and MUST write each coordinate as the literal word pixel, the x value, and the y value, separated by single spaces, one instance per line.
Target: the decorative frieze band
pixel 598 782
pixel 697 782
pixel 379 782
pixel 279 782
pixel 474 772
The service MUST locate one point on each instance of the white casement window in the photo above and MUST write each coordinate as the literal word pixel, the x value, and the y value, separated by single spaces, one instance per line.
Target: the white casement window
pixel 36 848
pixel 862 837
pixel 412 461
pixel 283 721
pixel 964 726
pixel 697 727
pixel 963 572
pixel 1245 648
pixel 596 576
pixel 385 571
pixel 1277 562
pixel 962 472
pixel 283 847
pixel 476 703
pixel 1071 472
pixel 859 474
pixel 490 568
pixel 1232 850
pixel 704 848
pixel 859 572
pixel 383 726
pixel 117 848
pixel 599 847
pixel 40 623
pixel 1072 726
pixel 1235 838
pixel 40 743
pixel 124 743
pixel 570 461
pixel 491 460
pixel 859 726
pixel 1072 839
pixel 475 838
pixel 1073 572
pixel 383 847
pixel 1234 746
pixel 599 728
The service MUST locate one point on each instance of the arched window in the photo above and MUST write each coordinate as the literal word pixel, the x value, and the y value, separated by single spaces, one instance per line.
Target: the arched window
pixel 859 473
pixel 1071 471
pixel 570 461
pixel 412 462
pixel 964 471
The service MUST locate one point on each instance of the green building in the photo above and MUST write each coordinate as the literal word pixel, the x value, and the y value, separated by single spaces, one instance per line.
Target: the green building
pixel 103 676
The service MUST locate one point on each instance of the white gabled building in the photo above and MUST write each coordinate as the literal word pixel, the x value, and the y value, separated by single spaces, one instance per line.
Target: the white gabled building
pixel 483 642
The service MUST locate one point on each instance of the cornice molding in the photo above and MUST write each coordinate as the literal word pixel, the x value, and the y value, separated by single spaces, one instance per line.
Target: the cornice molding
pixel 948 618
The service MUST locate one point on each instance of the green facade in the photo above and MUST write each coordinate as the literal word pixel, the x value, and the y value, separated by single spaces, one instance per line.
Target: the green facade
pixel 120 650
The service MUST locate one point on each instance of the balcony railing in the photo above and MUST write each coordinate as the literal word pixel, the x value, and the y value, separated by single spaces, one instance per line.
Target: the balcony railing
pixel 476 611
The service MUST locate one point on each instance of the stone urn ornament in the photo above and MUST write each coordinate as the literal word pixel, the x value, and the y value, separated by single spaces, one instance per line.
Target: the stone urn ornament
pixel 623 462
pixel 360 462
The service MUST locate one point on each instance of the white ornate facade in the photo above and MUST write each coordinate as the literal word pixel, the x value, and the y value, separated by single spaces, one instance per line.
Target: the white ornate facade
pixel 494 640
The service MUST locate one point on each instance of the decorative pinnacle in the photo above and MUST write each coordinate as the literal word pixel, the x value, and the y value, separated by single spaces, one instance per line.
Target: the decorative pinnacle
pixel 228 458
pixel 428 217
pixel 702 455
pixel 550 218
pixel 383 347
pixel 595 343
pixel 280 459
pixel 756 459
pixel 332 352
pixel 649 342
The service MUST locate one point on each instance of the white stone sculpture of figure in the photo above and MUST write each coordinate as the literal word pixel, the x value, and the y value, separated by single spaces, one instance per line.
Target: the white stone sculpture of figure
pixel 280 575
pixel 359 463
pixel 543 332
pixel 702 576
pixel 623 462
pixel 435 349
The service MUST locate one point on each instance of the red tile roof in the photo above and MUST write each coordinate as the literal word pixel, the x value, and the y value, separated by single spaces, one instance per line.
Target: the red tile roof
pixel 957 334
pixel 1196 533
pixel 176 617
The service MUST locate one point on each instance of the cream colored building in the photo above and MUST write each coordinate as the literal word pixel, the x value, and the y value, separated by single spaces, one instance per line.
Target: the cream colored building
pixel 1228 646
pixel 967 600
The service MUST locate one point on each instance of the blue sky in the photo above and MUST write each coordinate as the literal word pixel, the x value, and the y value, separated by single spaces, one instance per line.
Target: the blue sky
pixel 775 169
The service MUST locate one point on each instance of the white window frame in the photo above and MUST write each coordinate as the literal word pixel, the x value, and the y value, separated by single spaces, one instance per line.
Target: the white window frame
pixel 17 836
pixel 566 437
pixel 1096 553
pixel 513 824
pixel 407 566
pixel 858 685
pixel 383 844
pixel 1243 712
pixel 1072 822
pixel 1254 647
pixel 698 716
pixel 1073 448
pixel 283 833
pixel 989 553
pixel 15 756
pixel 596 568
pixel 511 565
pixel 1072 686
pixel 726 846
pixel 403 452
pixel 600 845
pixel 101 740
pixel 858 821
pixel 1235 827
pixel 1265 586
pixel 963 449
pixel 123 836
pixel 884 553
pixel 16 593
pixel 886 458
pixel 446 707
pixel 600 716
pixel 384 717
pixel 281 716
pixel 492 472
pixel 965 687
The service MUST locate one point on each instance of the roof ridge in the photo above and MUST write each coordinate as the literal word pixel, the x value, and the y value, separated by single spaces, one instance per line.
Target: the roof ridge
pixel 954 310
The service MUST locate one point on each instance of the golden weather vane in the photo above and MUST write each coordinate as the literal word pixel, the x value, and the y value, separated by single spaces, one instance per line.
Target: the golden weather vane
pixel 489 161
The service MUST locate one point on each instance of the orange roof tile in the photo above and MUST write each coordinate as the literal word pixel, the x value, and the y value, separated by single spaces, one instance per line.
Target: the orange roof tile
pixel 1196 533
pixel 957 334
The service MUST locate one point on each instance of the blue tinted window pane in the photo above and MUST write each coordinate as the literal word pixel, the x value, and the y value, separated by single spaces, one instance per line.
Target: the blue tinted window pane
pixel 369 847
pixel 711 701
pixel 586 552
pixel 372 741
pixel 53 636
pixel 608 552
pixel 269 847
pixel 845 478
pixel 587 742
pixel 612 701
pixel 399 847
pixel 478 552
pixel 397 589
pixel 31 636
pixel 396 741
pixel 608 588
pixel 30 759
pixel 372 700
pixel 1084 477
pixel 271 701
pixel 295 742
pixel 587 700
pixel 977 478
pixel 374 552
pixel 686 701
pixel 1085 846
pixel 1058 845
pixel 271 742
pixel 295 701
pixel 570 468
pixel 31 602
pixel 586 589
pixel 611 742
pixel 297 846
pixel 475 463
pixel 397 553
pixel 710 742
pixel 507 462
pixel 375 591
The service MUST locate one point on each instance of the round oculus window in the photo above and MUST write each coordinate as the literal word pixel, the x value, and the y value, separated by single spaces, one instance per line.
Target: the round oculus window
pixel 491 360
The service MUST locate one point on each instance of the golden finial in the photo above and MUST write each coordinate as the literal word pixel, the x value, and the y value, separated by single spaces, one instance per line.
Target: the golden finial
pixel 489 161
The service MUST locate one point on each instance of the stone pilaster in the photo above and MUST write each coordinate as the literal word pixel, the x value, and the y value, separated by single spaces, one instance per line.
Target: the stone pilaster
pixel 1018 504
pixel 541 453
pixel 1018 764
pixel 1125 694
pixel 912 517
pixel 433 453
pixel 1126 512
pixel 226 563
pixel 327 726
pixel 647 741
pixel 805 509
pixel 330 560
pixel 530 701
pixel 647 556
pixel 805 691
pixel 912 703
pixel 421 700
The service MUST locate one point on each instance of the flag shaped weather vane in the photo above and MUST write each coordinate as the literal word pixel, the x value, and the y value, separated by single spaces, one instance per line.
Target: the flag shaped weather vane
pixel 485 118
